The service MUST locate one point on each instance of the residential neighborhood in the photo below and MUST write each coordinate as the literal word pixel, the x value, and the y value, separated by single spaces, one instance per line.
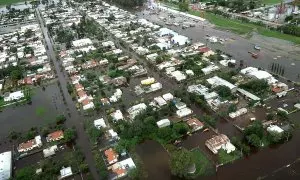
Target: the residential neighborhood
pixel 92 90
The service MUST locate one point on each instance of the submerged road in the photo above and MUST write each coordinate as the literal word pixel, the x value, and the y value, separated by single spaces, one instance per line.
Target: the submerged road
pixel 75 120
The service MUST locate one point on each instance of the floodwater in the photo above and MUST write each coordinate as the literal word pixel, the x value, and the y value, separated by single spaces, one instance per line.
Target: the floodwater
pixel 264 163
pixel 46 105
pixel 156 160
pixel 272 50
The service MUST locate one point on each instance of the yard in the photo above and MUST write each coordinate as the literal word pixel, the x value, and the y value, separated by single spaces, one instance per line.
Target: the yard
pixel 6 2
pixel 203 164
pixel 243 28
pixel 270 2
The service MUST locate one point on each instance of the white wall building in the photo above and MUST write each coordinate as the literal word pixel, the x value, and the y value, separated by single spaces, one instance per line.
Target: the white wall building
pixel 13 96
pixel 99 123
pixel 163 123
pixel 5 165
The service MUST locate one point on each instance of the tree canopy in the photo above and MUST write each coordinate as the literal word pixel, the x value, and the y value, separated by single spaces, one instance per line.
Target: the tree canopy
pixel 180 162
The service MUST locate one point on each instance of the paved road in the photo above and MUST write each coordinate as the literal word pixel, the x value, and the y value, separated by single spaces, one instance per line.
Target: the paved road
pixel 76 119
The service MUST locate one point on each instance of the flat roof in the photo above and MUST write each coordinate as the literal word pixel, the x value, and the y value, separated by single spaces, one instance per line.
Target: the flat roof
pixel 5 165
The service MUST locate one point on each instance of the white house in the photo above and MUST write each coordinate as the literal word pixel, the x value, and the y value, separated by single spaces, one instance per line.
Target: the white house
pixel 65 172
pixel 99 123
pixel 163 123
pixel 13 96
pixel 117 115
pixel 184 112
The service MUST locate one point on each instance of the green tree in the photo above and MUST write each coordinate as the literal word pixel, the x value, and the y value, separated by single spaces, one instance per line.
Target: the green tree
pixel 26 173
pixel 180 162
pixel 283 116
pixel 60 119
pixel 183 5
pixel 254 140
pixel 69 134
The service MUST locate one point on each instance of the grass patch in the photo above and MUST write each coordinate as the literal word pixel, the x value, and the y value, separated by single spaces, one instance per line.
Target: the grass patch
pixel 225 158
pixel 270 2
pixel 40 111
pixel 243 28
pixel 6 2
pixel 204 166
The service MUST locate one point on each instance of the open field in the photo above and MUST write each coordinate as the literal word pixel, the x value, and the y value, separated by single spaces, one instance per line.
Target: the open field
pixel 244 28
pixel 5 2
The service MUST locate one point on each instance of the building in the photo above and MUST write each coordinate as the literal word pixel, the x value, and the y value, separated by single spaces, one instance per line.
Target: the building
pixel 55 136
pixel 87 104
pixel 195 124
pixel 209 69
pixel 13 96
pixel 50 151
pixel 168 97
pixel 180 40
pixel 163 123
pixel 99 123
pixel 160 101
pixel 136 109
pixel 82 42
pixel 31 144
pixel 148 81
pixel 111 156
pixel 216 81
pixel 218 142
pixel 184 112
pixel 117 115
pixel 65 172
pixel 120 169
pixel 274 128
pixel 238 113
pixel 178 75
pixel 112 135
pixel 5 165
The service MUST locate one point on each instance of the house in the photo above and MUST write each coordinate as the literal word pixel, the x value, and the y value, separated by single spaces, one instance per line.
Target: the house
pixel 5 165
pixel 238 113
pixel 55 136
pixel 160 101
pixel 81 96
pixel 111 156
pixel 112 135
pixel 148 81
pixel 216 81
pixel 120 169
pixel 65 172
pixel 79 87
pixel 31 144
pixel 87 104
pixel 195 124
pixel 136 109
pixel 50 151
pixel 82 42
pixel 274 128
pixel 178 75
pixel 218 142
pixel 117 115
pixel 99 123
pixel 209 69
pixel 13 96
pixel 180 40
pixel 184 112
pixel 163 123
pixel 168 97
